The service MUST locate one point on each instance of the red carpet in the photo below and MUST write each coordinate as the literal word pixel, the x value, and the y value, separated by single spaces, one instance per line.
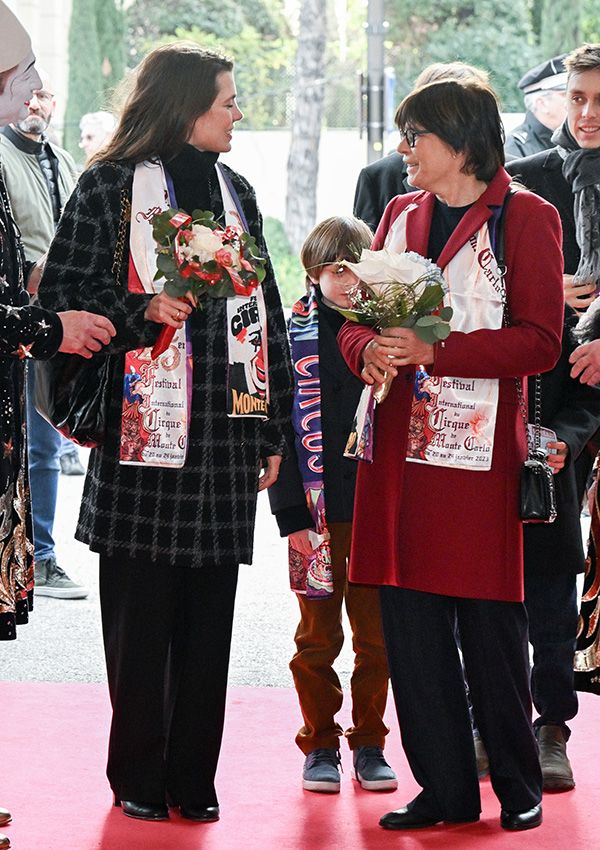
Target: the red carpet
pixel 53 751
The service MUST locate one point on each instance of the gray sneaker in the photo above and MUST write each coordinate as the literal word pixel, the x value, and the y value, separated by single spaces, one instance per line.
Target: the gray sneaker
pixel 372 771
pixel 50 580
pixel 70 464
pixel 321 771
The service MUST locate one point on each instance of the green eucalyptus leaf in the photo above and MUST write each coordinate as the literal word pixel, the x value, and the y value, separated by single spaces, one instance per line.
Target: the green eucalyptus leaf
pixel 442 330
pixel 165 262
pixel 426 333
pixel 176 288
pixel 426 321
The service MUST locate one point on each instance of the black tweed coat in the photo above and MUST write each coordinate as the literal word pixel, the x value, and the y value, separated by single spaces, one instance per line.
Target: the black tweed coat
pixel 203 513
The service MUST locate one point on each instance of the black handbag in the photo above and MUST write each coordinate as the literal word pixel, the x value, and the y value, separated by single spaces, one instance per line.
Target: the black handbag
pixel 538 493
pixel 73 393
pixel 537 499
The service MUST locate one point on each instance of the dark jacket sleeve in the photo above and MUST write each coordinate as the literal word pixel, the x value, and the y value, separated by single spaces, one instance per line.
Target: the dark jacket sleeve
pixel 286 496
pixel 577 418
pixel 29 332
pixel 78 273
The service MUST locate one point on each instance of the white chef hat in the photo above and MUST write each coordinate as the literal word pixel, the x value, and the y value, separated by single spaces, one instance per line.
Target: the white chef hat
pixel 15 43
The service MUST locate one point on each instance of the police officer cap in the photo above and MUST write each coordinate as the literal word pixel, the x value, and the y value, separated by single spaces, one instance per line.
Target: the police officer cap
pixel 547 76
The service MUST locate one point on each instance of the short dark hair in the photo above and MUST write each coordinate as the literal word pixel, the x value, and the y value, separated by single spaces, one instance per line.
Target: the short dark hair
pixel 172 87
pixel 586 57
pixel 462 113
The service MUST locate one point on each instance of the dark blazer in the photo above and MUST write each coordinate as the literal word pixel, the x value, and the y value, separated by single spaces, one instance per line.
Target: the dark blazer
pixel 377 184
pixel 542 174
pixel 572 410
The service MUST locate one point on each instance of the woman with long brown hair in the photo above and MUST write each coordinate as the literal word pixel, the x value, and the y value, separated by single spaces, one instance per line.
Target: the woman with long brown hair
pixel 170 497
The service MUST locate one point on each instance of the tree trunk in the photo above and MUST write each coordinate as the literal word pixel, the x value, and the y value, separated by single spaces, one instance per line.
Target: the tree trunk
pixel 309 95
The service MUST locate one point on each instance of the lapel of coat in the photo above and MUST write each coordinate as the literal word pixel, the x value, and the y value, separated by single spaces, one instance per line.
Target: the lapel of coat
pixel 476 216
pixel 418 223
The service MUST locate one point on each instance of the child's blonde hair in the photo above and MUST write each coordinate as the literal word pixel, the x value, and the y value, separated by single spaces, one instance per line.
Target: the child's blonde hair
pixel 334 239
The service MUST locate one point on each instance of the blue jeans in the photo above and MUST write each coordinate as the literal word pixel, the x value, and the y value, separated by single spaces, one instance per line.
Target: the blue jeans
pixel 551 602
pixel 44 450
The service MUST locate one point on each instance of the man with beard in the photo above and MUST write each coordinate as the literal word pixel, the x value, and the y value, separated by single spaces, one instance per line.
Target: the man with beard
pixel 39 178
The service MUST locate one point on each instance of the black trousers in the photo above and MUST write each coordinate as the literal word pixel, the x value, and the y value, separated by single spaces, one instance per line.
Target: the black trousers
pixel 431 702
pixel 167 637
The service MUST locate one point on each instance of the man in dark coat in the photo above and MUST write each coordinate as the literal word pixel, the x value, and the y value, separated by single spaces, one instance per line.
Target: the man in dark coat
pixel 543 89
pixel 377 184
pixel 568 176
pixel 553 555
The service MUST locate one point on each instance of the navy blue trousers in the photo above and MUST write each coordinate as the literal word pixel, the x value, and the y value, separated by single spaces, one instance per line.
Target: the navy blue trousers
pixel 551 602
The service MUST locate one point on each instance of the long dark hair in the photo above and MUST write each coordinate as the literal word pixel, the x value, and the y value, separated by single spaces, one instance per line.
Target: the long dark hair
pixel 172 87
pixel 464 114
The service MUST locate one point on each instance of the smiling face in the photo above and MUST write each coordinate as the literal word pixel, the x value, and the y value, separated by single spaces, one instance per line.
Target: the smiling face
pixel 19 85
pixel 213 130
pixel 431 164
pixel 583 108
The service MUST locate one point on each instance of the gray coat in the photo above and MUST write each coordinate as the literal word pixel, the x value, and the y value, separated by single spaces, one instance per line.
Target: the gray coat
pixel 203 513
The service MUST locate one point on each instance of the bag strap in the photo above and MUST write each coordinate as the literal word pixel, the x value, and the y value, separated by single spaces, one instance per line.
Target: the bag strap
pixel 124 219
pixel 532 445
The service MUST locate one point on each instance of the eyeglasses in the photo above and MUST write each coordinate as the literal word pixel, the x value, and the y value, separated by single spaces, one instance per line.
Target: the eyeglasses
pixel 411 136
pixel 43 96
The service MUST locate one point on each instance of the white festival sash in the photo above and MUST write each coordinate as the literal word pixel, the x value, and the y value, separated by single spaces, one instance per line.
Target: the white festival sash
pixel 247 347
pixel 453 419
pixel 156 393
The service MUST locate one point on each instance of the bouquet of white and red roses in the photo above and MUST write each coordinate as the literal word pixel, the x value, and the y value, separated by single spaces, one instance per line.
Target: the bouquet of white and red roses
pixel 196 254
pixel 398 290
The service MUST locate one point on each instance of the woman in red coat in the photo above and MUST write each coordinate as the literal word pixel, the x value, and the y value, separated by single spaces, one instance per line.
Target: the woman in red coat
pixel 436 516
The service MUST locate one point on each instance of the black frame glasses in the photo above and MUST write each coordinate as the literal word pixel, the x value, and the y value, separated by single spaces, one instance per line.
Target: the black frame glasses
pixel 411 136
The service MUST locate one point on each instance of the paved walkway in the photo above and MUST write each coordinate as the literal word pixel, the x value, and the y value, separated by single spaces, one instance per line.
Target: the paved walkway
pixel 62 641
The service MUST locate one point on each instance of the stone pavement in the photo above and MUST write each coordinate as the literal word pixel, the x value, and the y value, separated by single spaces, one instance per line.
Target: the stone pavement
pixel 62 641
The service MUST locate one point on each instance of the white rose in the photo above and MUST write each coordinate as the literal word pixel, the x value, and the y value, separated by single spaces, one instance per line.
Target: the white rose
pixel 204 243
pixel 385 266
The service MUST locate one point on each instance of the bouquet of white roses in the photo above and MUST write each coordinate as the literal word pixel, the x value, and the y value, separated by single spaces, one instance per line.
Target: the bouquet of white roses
pixel 399 290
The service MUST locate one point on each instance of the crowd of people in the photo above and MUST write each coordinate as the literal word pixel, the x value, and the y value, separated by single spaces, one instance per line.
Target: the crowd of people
pixel 446 614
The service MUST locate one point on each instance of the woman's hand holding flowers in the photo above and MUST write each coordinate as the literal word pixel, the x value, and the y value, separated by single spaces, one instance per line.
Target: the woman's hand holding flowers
pixel 167 310
pixel 394 347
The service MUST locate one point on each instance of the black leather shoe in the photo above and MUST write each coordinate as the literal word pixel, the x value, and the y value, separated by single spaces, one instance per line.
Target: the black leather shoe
pixel 5 817
pixel 202 814
pixel 405 819
pixel 528 819
pixel 143 811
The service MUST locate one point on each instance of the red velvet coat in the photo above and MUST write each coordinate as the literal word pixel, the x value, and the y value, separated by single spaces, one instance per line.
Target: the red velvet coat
pixel 452 531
